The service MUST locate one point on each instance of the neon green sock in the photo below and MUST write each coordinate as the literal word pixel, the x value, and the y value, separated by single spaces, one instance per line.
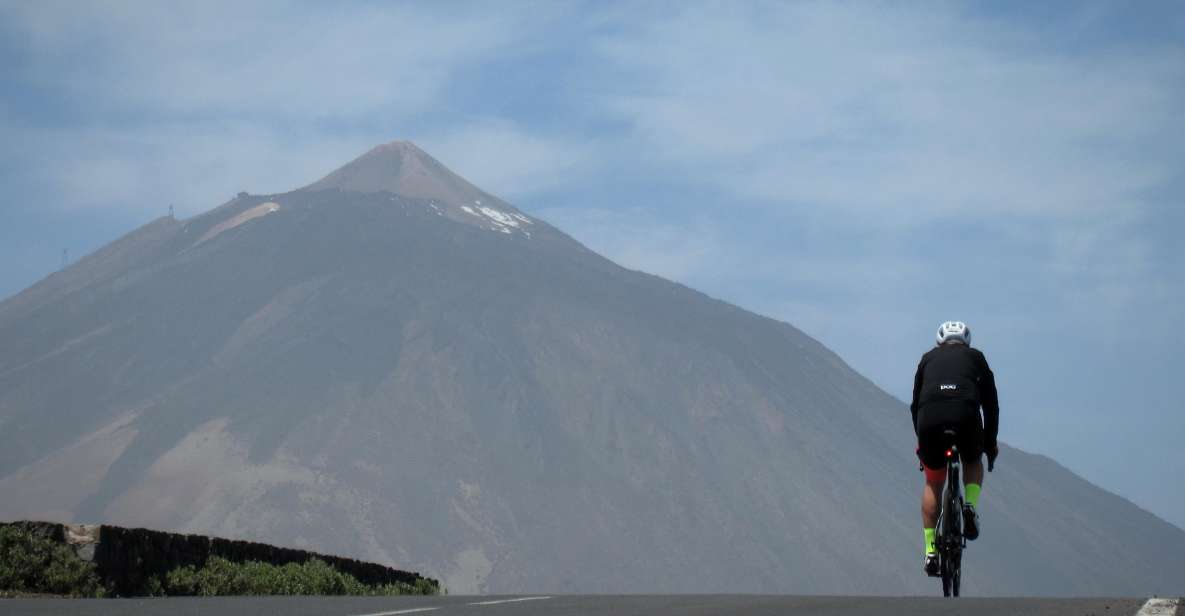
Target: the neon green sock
pixel 973 494
pixel 929 532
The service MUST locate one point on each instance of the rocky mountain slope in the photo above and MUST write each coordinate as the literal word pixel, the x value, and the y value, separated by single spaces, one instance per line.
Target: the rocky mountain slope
pixel 393 365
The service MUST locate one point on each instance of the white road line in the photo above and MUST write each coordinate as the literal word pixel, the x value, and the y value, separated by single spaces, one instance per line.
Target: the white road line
pixel 1158 607
pixel 409 611
pixel 509 600
pixel 429 609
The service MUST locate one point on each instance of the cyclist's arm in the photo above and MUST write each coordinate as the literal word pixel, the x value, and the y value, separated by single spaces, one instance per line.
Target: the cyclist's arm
pixel 990 401
pixel 917 391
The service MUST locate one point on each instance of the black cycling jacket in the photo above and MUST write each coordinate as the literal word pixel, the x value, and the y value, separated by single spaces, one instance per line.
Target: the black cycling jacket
pixel 957 372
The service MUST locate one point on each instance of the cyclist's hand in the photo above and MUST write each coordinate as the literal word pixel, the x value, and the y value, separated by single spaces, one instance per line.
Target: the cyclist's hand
pixel 918 452
pixel 993 450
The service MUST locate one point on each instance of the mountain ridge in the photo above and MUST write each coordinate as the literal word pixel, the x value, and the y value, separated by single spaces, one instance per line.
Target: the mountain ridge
pixel 498 406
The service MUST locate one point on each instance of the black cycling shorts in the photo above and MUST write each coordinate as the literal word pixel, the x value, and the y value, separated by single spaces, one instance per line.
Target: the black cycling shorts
pixel 936 417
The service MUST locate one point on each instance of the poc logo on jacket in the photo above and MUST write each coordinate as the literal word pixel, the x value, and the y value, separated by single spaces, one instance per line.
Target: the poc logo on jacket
pixel 947 387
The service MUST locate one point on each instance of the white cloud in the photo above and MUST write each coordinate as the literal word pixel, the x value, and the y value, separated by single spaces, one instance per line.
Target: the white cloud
pixel 895 113
pixel 507 160
pixel 191 103
pixel 150 168
pixel 273 58
pixel 100 167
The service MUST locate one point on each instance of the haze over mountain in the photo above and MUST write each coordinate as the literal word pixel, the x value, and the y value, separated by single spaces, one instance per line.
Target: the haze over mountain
pixel 394 365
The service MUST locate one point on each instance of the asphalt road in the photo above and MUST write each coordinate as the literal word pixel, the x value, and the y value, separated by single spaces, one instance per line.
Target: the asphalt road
pixel 562 605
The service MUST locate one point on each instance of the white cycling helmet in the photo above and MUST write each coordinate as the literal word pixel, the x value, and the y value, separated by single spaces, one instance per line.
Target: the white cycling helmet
pixel 954 330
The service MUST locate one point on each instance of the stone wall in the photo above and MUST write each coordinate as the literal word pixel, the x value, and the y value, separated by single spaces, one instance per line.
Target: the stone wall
pixel 126 557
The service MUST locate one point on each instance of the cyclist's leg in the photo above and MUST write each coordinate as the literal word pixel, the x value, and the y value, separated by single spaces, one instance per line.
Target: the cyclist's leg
pixel 931 492
pixel 973 479
pixel 971 451
pixel 971 448
pixel 931 446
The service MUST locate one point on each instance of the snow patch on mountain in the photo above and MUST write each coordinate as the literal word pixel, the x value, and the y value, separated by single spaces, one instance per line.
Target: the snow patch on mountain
pixel 505 222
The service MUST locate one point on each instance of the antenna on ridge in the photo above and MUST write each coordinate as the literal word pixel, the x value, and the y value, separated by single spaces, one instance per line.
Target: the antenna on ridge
pixel 65 257
pixel 171 214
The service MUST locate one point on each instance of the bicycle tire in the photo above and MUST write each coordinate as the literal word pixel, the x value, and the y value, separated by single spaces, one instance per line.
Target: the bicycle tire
pixel 946 547
pixel 957 575
pixel 955 534
pixel 946 555
pixel 951 532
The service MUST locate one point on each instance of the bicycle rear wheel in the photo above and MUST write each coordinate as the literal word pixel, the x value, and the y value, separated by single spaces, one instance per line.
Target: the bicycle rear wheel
pixel 947 553
pixel 955 538
pixel 951 535
pixel 957 574
pixel 946 577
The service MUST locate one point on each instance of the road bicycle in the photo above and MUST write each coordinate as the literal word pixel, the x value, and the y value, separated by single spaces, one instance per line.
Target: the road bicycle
pixel 950 541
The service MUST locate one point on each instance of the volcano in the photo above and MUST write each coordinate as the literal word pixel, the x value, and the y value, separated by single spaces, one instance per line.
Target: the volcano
pixel 394 365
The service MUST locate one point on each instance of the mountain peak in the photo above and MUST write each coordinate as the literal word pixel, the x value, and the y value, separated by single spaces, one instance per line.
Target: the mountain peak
pixel 402 168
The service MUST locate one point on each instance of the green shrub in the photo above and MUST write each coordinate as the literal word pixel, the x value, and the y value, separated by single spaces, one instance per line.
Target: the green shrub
pixel 222 577
pixel 33 564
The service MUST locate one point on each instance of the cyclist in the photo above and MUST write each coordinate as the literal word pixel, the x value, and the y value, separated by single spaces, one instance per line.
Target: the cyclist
pixel 952 382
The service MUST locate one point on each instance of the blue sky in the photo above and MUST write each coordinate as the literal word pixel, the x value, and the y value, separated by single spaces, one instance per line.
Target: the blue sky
pixel 860 170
